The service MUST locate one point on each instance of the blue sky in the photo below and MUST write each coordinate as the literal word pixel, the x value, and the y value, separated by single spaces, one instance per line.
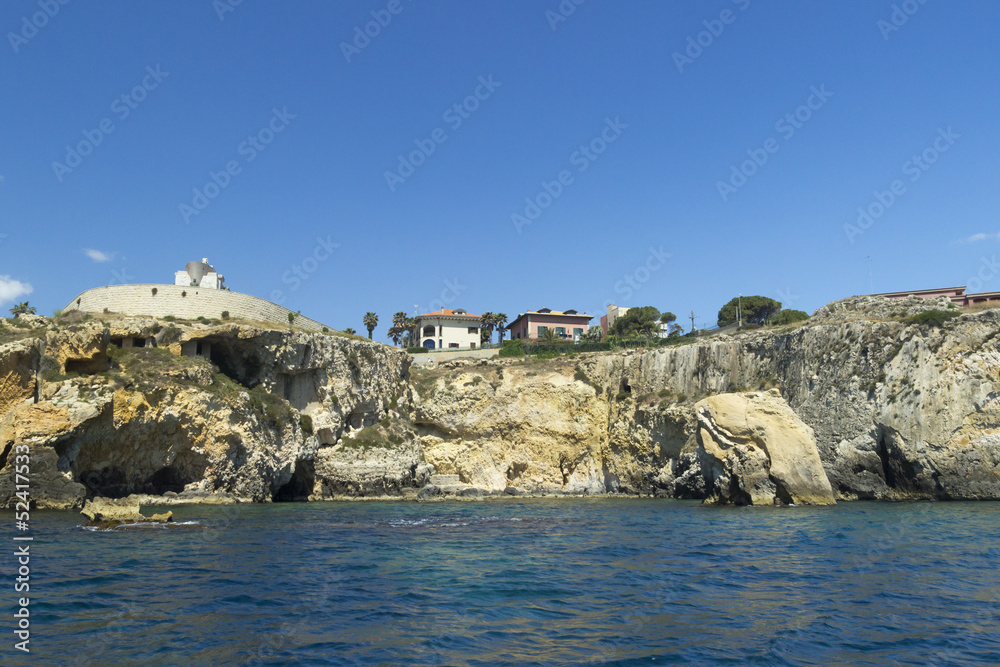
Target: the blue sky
pixel 627 124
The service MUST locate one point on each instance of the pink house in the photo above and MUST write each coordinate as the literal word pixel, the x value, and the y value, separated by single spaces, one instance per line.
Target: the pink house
pixel 568 324
pixel 956 294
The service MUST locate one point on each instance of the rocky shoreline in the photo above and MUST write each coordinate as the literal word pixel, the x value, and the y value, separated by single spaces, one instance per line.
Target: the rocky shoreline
pixel 860 402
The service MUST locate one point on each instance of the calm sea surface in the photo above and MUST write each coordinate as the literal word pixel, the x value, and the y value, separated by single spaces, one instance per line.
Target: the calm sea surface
pixel 515 582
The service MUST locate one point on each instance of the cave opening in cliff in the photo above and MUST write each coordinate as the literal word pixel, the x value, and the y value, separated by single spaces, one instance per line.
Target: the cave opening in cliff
pixel 235 361
pixel 98 364
pixel 168 478
pixel 300 486
pixel 108 482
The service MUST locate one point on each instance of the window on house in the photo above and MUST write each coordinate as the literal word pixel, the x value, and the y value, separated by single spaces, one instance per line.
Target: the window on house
pixel 429 330
pixel 452 344
pixel 542 330
pixel 561 331
pixel 472 345
pixel 577 331
pixel 473 330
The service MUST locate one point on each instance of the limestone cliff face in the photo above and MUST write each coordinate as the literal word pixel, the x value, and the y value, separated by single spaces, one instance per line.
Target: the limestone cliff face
pixel 505 425
pixel 899 410
pixel 103 421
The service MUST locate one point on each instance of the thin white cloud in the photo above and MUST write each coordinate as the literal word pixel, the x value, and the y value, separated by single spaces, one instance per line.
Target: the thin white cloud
pixel 979 237
pixel 99 255
pixel 11 289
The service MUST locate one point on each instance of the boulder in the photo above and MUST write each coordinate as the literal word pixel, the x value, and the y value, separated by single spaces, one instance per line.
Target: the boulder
pixel 756 451
pixel 106 513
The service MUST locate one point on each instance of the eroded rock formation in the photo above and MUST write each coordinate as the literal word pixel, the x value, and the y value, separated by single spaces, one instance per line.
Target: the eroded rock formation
pixel 756 451
pixel 898 410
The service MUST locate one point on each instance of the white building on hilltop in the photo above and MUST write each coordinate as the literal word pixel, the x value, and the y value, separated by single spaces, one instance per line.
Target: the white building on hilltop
pixel 448 329
pixel 199 274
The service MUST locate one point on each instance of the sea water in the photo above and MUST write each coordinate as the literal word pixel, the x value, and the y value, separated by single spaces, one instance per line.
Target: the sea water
pixel 518 582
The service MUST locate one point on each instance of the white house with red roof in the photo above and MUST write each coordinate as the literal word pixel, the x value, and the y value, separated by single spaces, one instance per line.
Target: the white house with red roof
pixel 448 329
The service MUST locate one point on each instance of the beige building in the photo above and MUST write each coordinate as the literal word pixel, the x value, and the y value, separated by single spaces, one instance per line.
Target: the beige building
pixel 448 329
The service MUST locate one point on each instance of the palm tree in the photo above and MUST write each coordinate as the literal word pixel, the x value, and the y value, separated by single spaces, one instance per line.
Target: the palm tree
pixel 350 332
pixel 500 319
pixel 411 331
pixel 370 321
pixel 22 309
pixel 486 327
pixel 398 328
pixel 549 335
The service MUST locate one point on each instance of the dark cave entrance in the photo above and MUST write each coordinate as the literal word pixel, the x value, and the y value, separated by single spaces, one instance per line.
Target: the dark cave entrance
pixel 300 486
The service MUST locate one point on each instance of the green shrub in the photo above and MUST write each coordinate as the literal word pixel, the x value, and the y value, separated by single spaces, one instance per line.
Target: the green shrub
pixel 934 318
pixel 50 369
pixel 225 314
pixel 417 350
pixel 306 422
pixel 512 348
pixel 168 318
pixel 622 395
pixel 170 335
pixel 789 317
pixel 275 411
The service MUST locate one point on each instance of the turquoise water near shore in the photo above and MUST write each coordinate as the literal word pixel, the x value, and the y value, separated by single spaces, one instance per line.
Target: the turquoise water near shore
pixel 519 582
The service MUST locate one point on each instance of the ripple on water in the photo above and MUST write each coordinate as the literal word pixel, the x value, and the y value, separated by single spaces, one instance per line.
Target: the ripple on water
pixel 528 582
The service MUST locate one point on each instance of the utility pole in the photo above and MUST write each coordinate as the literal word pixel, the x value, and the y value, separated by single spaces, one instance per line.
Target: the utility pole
pixel 739 313
pixel 692 321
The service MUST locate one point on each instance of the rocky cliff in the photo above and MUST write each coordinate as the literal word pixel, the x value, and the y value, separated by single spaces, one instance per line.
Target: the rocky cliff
pixel 892 409
pixel 900 410
pixel 250 421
